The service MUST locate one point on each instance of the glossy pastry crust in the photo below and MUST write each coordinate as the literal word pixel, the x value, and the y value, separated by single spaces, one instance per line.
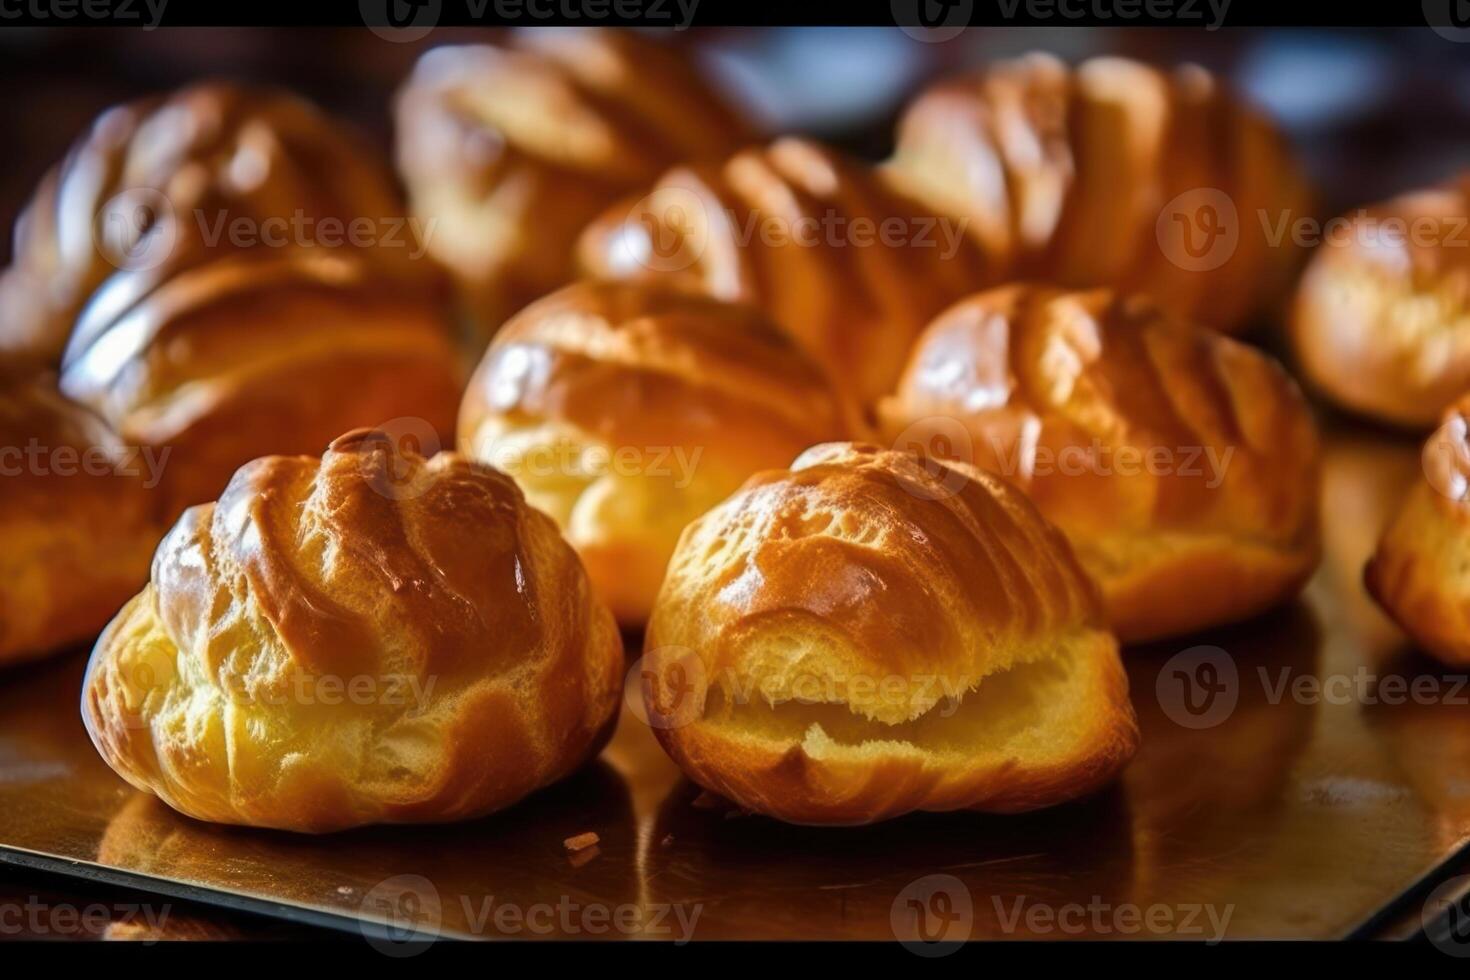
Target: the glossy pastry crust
pixel 511 149
pixel 825 245
pixel 1418 572
pixel 368 637
pixel 257 314
pixel 1184 466
pixel 76 519
pixel 1076 173
pixel 249 356
pixel 141 195
pixel 869 634
pixel 1381 322
pixel 627 410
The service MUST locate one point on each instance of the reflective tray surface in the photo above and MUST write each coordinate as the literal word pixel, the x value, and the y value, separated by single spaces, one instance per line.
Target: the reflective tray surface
pixel 1300 775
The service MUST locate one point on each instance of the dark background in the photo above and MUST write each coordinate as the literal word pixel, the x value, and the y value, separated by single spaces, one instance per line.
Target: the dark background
pixel 1372 111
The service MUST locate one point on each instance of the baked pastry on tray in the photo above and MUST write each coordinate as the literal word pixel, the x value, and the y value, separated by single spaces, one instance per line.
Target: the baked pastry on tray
pixel 1418 573
pixel 510 149
pixel 1113 173
pixel 76 518
pixel 834 254
pixel 625 411
pixel 199 266
pixel 870 633
pixel 1183 466
pixel 367 637
pixel 1381 322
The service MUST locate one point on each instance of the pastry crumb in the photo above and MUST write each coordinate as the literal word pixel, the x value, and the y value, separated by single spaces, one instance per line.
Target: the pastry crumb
pixel 581 841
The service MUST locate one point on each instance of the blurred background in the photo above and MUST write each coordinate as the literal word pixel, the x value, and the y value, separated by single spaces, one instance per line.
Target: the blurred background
pixel 1372 111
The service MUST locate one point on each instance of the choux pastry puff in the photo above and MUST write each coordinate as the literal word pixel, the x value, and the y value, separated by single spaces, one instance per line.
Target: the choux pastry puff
pixel 625 411
pixel 1183 466
pixel 367 637
pixel 870 633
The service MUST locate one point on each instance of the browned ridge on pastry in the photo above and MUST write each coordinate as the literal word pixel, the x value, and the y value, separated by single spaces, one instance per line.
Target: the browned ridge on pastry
pixel 1183 466
pixel 153 187
pixel 1381 323
pixel 627 410
pixel 510 150
pixel 76 519
pixel 845 264
pixel 221 345
pixel 870 633
pixel 1420 572
pixel 369 637
pixel 1077 172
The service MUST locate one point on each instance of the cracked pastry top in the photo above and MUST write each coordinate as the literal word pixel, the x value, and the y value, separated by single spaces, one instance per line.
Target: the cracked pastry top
pixel 870 633
pixel 510 149
pixel 367 637
pixel 625 411
pixel 199 267
pixel 1183 466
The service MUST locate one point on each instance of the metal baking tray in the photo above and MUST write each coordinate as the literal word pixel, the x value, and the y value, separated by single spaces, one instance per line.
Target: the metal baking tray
pixel 1292 783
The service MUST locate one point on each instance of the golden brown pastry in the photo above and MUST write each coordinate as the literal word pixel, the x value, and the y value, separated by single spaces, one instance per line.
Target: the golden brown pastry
pixel 1077 173
pixel 1381 323
pixel 1418 574
pixel 368 637
pixel 625 411
pixel 847 266
pixel 1183 466
pixel 510 150
pixel 226 345
pixel 163 184
pixel 869 633
pixel 76 519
